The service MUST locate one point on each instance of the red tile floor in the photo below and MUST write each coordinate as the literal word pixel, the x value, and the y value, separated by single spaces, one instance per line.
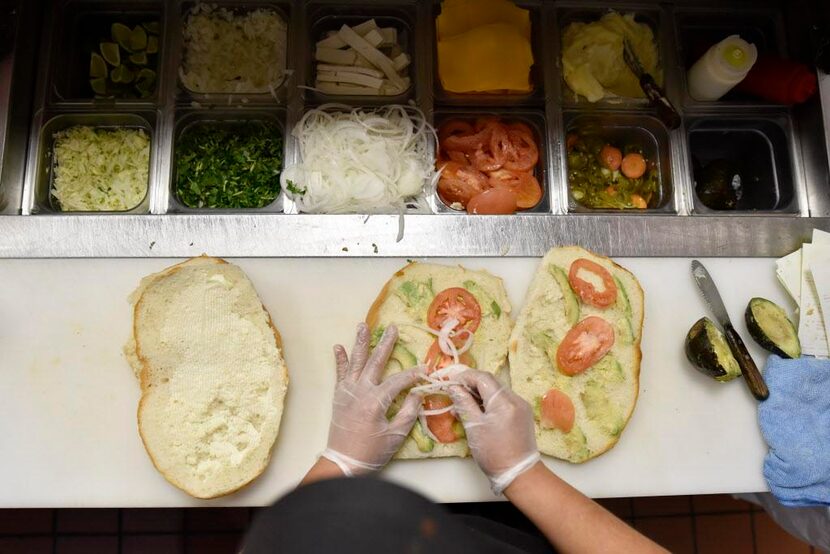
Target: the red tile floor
pixel 682 524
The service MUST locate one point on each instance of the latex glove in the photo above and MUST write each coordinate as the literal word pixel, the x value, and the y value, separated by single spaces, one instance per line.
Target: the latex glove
pixel 361 438
pixel 500 430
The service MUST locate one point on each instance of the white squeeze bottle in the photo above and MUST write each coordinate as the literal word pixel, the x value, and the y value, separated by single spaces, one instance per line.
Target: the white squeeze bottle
pixel 722 67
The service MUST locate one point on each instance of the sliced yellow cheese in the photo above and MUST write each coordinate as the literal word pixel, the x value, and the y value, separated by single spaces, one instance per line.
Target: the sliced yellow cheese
pixel 460 16
pixel 491 57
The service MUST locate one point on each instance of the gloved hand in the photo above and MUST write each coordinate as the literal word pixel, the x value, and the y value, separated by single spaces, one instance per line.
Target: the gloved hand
pixel 500 430
pixel 361 438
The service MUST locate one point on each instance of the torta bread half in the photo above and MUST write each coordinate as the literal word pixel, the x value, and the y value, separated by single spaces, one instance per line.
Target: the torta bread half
pixel 575 352
pixel 407 300
pixel 212 376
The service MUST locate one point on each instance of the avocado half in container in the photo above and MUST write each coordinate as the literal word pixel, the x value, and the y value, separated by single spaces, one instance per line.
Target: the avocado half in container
pixel 772 329
pixel 707 349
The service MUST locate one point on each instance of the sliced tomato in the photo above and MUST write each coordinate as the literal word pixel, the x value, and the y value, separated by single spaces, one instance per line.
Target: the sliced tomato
pixel 584 345
pixel 468 143
pixel 487 121
pixel 440 425
pixel 459 183
pixel 486 160
pixel 458 304
pixel 454 127
pixel 458 157
pixel 494 201
pixel 499 144
pixel 524 184
pixel 557 411
pixel 436 359
pixel 587 291
pixel 523 153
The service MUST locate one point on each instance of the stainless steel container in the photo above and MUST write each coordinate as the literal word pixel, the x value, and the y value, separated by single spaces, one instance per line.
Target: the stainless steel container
pixel 43 201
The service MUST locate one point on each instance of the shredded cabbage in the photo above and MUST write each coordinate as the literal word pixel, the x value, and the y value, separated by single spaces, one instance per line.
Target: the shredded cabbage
pixel 99 169
pixel 233 53
pixel 356 161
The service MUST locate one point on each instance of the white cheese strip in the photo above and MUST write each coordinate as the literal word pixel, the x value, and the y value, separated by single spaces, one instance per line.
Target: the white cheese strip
pixel 360 61
pixel 354 69
pixel 373 37
pixel 349 78
pixel 788 271
pixel 811 330
pixel 371 53
pixel 334 56
pixel 388 89
pixel 400 62
pixel 333 40
pixel 337 88
pixel 390 36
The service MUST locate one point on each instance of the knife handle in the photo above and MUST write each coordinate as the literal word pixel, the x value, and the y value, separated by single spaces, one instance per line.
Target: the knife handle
pixel 665 110
pixel 753 377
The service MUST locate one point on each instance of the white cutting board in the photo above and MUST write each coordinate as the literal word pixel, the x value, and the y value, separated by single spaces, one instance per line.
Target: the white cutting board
pixel 68 399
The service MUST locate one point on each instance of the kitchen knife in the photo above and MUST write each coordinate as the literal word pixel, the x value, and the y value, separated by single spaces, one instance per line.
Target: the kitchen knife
pixel 665 110
pixel 753 377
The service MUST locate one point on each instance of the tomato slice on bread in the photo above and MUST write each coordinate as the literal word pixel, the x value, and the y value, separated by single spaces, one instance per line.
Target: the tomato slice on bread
pixel 584 345
pixel 458 304
pixel 588 291
pixel 441 425
pixel 557 411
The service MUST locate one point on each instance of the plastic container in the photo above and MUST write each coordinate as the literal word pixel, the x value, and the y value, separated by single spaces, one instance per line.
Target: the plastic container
pixel 327 17
pixel 758 149
pixel 621 129
pixel 77 34
pixel 189 119
pixel 536 97
pixel 652 16
pixel 277 96
pixel 536 121
pixel 43 201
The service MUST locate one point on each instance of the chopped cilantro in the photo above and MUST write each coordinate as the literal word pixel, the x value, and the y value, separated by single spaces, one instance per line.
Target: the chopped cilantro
pixel 292 187
pixel 234 165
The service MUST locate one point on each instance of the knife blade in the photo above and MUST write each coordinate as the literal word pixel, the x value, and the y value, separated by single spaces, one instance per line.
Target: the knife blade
pixel 707 287
pixel 657 97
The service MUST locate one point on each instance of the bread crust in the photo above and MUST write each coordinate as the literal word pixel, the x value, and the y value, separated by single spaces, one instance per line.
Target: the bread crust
pixel 374 309
pixel 144 385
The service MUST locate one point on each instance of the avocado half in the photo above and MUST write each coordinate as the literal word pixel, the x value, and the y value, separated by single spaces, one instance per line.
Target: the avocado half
pixel 707 349
pixel 769 325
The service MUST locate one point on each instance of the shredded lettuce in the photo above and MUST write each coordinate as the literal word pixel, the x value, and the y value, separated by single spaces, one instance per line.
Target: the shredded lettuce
pixel 100 169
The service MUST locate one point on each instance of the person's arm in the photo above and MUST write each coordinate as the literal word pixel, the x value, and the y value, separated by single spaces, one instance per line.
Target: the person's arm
pixel 361 438
pixel 502 439
pixel 321 470
pixel 571 521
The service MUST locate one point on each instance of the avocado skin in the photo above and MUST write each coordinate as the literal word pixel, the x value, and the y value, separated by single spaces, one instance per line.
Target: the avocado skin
pixel 704 354
pixel 756 331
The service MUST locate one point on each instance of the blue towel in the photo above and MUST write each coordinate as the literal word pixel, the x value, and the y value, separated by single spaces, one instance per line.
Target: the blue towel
pixel 795 422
